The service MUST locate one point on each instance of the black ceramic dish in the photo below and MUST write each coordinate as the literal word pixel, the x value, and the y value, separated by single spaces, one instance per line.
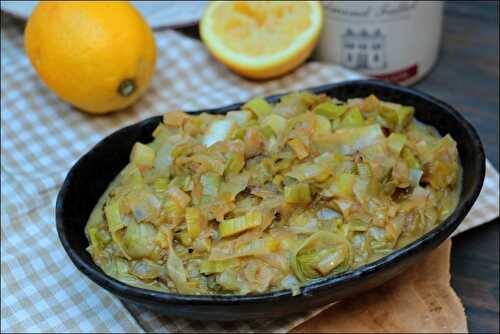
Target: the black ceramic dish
pixel 78 197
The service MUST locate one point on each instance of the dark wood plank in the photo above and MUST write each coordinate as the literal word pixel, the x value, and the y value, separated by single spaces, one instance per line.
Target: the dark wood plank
pixel 474 276
pixel 466 76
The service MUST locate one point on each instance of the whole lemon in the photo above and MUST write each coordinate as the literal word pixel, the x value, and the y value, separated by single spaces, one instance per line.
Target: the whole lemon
pixel 97 55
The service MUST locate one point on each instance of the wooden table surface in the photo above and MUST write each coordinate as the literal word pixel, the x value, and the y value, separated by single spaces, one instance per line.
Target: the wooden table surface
pixel 466 76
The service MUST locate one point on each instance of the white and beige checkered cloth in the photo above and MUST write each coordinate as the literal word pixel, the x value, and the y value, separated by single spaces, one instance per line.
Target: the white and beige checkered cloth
pixel 42 137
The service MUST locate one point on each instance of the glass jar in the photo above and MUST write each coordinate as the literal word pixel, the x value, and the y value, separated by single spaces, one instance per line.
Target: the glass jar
pixel 397 41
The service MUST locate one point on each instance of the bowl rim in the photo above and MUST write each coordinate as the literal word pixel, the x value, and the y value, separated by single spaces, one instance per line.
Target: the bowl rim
pixel 159 297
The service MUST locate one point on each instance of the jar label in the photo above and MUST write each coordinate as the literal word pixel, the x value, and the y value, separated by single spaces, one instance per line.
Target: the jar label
pixel 382 39
pixel 399 76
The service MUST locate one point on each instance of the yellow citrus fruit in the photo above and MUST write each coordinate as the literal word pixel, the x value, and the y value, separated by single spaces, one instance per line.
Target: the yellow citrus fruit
pixel 97 55
pixel 261 39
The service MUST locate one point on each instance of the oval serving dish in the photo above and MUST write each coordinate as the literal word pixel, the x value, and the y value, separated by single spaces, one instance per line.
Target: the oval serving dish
pixel 102 163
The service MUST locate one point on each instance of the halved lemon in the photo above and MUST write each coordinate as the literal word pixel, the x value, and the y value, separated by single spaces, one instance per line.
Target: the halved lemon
pixel 261 39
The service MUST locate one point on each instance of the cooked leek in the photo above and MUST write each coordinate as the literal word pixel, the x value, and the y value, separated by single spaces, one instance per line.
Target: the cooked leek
pixel 241 117
pixel 139 240
pixel 309 171
pixel 330 110
pixel 396 142
pixel 410 159
pixel 405 114
pixel 237 225
pixel 178 195
pixel 352 118
pixel 210 183
pixel 350 140
pixel 175 118
pixel 258 247
pixel 218 131
pixel 258 106
pixel 299 193
pixel 272 196
pixel 95 245
pixel 300 149
pixel 215 267
pixel 321 253
pixel 173 211
pixel 236 162
pixel 160 185
pixel 276 122
pixel 234 186
pixel 194 221
pixel 113 217
pixel 342 185
pixel 142 155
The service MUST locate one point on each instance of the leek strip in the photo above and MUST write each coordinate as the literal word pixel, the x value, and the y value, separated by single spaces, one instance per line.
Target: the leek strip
pixel 301 150
pixel 119 242
pixel 299 193
pixel 313 252
pixel 353 118
pixel 215 267
pixel 396 142
pixel 330 110
pixel 276 122
pixel 160 185
pixel 113 217
pixel 237 225
pixel 175 268
pixel 194 221
pixel 142 155
pixel 258 106
pixel 218 131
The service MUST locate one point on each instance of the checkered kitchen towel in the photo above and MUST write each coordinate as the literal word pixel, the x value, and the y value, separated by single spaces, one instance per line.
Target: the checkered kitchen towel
pixel 42 137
